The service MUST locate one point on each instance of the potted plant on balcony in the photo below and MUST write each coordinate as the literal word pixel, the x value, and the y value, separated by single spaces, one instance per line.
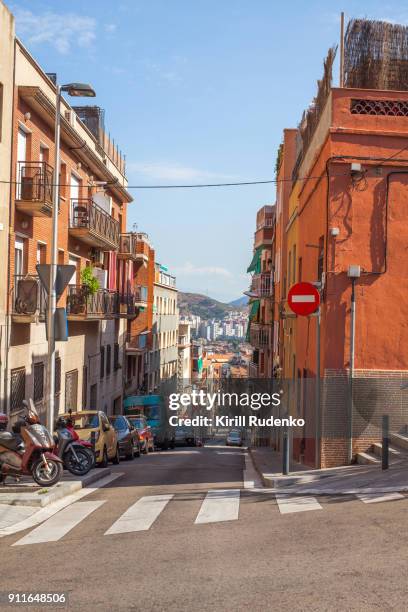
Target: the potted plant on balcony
pixel 89 286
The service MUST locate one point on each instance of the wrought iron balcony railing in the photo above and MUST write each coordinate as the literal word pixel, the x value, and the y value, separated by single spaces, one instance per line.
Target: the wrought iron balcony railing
pixel 262 284
pixel 91 224
pixel 136 343
pixel 82 305
pixel 29 299
pixel 260 335
pixel 34 188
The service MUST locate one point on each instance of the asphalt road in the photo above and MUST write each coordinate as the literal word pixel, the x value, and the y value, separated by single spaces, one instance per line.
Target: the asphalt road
pixel 341 554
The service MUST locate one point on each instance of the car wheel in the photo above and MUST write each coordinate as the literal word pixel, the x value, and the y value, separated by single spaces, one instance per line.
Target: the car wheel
pixel 131 454
pixel 104 462
pixel 116 458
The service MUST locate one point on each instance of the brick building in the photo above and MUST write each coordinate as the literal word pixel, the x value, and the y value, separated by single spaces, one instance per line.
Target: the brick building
pixel 91 235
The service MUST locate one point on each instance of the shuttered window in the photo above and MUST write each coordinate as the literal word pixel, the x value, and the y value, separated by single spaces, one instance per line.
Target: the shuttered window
pixel 71 390
pixel 38 382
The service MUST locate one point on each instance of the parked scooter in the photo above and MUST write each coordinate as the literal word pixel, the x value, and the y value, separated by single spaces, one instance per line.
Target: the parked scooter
pixel 28 450
pixel 78 459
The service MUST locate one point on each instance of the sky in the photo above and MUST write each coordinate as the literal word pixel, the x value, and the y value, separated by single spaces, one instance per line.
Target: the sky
pixel 195 92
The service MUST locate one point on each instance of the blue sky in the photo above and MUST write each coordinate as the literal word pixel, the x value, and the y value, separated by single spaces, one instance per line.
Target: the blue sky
pixel 195 92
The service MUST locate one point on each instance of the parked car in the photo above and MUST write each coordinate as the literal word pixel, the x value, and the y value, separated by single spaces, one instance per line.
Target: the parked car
pixel 234 438
pixel 129 441
pixel 184 437
pixel 106 441
pixel 145 432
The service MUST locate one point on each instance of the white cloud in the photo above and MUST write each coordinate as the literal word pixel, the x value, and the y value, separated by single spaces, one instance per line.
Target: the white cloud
pixel 61 31
pixel 163 171
pixel 110 27
pixel 189 269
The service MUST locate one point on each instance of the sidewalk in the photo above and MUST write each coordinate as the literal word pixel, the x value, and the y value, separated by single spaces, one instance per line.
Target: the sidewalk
pixel 344 480
pixel 28 493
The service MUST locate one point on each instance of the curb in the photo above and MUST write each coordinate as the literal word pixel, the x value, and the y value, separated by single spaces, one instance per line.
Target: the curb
pixel 330 491
pixel 61 490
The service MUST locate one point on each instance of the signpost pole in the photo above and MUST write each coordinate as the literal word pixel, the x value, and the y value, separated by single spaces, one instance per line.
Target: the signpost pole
pixel 317 390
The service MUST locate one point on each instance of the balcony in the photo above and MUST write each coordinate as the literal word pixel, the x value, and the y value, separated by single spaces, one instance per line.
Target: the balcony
pixel 91 224
pixel 136 344
pixel 127 307
pixel 34 189
pixel 262 285
pixel 141 297
pixel 260 335
pixel 127 246
pixel 81 306
pixel 142 247
pixel 29 299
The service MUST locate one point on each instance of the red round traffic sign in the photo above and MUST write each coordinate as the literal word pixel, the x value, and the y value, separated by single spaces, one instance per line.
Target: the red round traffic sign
pixel 303 299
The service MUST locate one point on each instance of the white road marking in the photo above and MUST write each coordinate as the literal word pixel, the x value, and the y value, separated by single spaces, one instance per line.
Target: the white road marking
pixel 9 515
pixel 251 476
pixel 219 505
pixel 303 298
pixel 372 498
pixel 60 524
pixel 288 504
pixel 141 515
pixel 45 513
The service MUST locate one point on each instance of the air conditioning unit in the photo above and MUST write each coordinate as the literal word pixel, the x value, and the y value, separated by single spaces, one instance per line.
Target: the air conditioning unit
pixel 26 299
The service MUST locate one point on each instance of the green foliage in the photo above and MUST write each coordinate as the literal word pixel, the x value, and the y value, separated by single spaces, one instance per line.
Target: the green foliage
pixel 89 281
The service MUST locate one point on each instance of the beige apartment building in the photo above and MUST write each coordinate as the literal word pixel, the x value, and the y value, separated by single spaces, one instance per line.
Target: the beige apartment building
pixel 92 222
pixel 184 355
pixel 165 329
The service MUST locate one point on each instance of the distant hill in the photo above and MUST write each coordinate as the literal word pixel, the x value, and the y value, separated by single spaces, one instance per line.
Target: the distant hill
pixel 204 306
pixel 242 301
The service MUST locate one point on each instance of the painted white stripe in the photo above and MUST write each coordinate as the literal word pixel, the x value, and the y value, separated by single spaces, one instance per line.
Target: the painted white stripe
pixel 219 505
pixel 140 516
pixel 289 504
pixel 372 498
pixel 303 298
pixel 60 524
pixel 45 513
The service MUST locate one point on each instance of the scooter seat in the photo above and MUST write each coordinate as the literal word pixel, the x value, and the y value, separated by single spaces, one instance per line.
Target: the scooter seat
pixel 10 440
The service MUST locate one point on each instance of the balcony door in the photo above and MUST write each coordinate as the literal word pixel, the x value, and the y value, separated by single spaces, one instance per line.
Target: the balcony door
pixel 19 263
pixel 21 157
pixel 75 186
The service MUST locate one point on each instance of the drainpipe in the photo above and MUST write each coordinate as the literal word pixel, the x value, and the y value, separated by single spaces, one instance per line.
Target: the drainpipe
pixel 353 273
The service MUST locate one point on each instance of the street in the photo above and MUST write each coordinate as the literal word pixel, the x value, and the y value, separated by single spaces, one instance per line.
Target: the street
pixel 181 547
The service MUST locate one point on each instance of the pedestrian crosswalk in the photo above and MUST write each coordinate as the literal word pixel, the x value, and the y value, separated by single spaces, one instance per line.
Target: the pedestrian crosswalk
pixel 216 506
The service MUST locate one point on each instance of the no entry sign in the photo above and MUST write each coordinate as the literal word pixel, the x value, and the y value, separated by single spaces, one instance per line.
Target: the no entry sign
pixel 303 299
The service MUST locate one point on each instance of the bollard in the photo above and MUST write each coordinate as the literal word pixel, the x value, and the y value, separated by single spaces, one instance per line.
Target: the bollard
pixel 285 452
pixel 385 442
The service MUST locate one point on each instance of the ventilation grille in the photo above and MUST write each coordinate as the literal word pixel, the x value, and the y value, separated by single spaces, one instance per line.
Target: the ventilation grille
pixel 389 108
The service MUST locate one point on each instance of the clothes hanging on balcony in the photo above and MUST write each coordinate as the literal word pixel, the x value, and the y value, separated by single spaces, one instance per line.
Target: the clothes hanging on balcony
pixel 255 265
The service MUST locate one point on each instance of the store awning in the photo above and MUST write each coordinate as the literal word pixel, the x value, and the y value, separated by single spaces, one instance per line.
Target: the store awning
pixel 255 265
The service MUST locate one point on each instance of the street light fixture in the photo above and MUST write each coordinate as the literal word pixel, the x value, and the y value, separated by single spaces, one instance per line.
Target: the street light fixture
pixel 75 90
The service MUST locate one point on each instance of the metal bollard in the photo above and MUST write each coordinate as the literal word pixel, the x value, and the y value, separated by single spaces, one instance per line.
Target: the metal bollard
pixel 285 452
pixel 385 442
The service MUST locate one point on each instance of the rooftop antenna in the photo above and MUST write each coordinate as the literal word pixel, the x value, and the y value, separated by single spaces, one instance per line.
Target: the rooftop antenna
pixel 341 83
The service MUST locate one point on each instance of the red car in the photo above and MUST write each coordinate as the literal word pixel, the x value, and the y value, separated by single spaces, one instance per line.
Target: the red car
pixel 145 433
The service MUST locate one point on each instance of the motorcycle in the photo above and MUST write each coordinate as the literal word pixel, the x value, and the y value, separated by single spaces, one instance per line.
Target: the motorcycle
pixel 28 451
pixel 78 458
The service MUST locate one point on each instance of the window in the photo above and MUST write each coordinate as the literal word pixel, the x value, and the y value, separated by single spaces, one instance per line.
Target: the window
pixel 320 259
pixel 17 391
pixel 71 390
pixel 108 359
pixel 115 356
pixel 289 267
pixel 19 256
pixel 38 382
pixel 84 386
pixel 102 362
pixel 57 376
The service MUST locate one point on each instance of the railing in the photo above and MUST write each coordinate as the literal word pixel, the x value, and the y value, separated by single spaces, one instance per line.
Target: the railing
pixel 128 244
pixel 136 342
pixel 85 214
pixel 127 304
pixel 260 335
pixel 34 182
pixel 29 296
pixel 262 284
pixel 253 370
pixel 140 293
pixel 103 303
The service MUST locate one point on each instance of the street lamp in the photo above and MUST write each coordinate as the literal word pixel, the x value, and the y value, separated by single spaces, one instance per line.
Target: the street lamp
pixel 75 90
